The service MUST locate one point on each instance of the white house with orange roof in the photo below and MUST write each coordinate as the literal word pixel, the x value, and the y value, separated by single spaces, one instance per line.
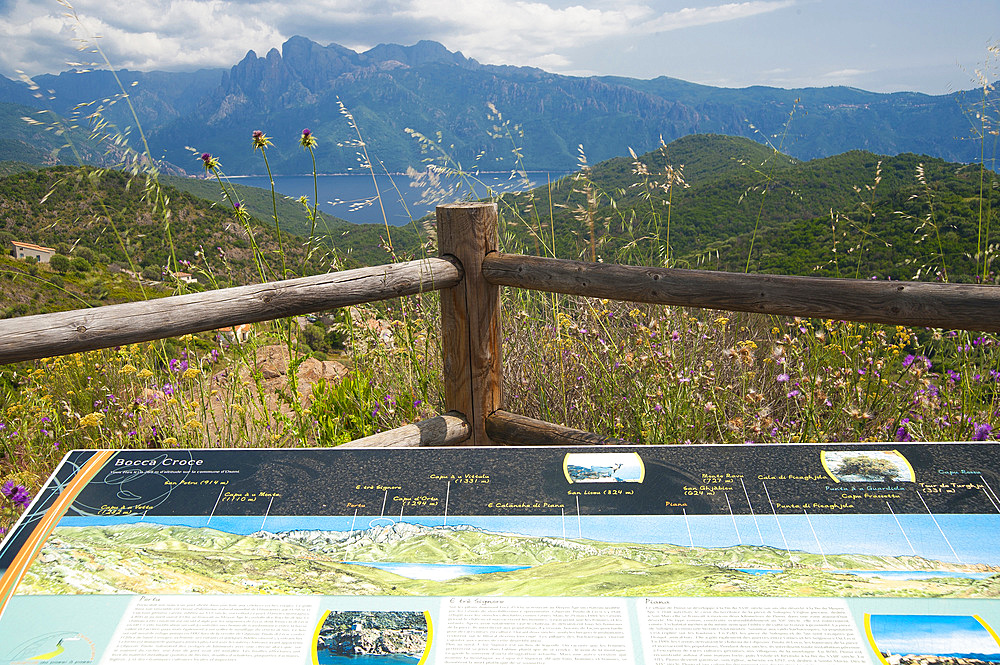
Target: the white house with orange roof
pixel 25 250
pixel 235 334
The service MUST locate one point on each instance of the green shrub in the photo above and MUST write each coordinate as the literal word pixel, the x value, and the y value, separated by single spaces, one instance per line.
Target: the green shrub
pixel 80 264
pixel 59 263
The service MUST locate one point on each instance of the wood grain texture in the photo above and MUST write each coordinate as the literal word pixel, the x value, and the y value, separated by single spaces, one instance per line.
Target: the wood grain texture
pixel 470 316
pixel 60 333
pixel 449 429
pixel 511 429
pixel 951 306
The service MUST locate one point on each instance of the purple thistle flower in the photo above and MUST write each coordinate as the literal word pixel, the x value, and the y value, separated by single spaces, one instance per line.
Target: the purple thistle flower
pixel 7 489
pixel 260 141
pixel 782 378
pixel 307 140
pixel 982 432
pixel 209 162
pixel 21 496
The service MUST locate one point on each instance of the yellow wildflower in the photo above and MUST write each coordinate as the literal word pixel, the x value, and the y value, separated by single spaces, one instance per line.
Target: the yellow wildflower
pixel 190 373
pixel 129 369
pixel 170 441
pixel 94 419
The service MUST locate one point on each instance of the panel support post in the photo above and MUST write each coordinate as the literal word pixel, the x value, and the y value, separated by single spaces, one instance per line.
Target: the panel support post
pixel 470 316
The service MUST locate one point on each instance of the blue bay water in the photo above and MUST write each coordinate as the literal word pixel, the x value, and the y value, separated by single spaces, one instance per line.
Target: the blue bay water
pixel 438 572
pixel 355 197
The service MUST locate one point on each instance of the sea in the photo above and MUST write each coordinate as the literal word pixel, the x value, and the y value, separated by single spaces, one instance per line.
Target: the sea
pixel 439 572
pixel 397 198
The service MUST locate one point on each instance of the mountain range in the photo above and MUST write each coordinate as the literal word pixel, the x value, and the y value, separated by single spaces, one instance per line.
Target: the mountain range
pixel 481 116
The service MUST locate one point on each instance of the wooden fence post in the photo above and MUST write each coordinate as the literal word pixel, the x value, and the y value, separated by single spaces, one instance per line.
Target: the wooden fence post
pixel 470 316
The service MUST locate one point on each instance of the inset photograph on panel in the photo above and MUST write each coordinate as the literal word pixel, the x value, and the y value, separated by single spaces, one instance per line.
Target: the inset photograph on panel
pixel 919 639
pixel 604 468
pixel 373 638
pixel 867 466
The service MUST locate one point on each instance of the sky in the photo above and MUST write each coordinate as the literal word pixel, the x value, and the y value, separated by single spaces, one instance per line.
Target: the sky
pixel 879 45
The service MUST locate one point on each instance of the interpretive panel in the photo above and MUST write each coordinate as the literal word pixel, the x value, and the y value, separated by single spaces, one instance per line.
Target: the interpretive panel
pixel 851 554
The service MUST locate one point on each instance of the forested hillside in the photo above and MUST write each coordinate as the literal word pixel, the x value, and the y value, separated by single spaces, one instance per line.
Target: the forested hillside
pixel 729 203
pixel 120 238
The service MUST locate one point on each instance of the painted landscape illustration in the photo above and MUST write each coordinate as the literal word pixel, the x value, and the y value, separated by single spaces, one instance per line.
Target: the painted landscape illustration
pixel 465 559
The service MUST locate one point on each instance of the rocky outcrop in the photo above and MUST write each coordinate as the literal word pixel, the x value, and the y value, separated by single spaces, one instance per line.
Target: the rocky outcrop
pixel 373 633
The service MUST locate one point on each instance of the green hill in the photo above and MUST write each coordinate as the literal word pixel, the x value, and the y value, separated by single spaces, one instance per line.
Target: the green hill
pixel 359 244
pixel 42 138
pixel 735 194
pixel 124 225
pixel 123 221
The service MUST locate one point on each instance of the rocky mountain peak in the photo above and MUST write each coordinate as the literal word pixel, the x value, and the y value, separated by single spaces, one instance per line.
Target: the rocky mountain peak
pixel 421 53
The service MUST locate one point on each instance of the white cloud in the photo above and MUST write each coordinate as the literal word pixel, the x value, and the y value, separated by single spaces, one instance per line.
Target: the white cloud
pixel 139 34
pixel 845 73
pixel 691 17
pixel 523 32
pixel 185 34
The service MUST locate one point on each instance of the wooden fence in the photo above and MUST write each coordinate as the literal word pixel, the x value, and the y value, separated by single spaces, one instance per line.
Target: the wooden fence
pixel 469 273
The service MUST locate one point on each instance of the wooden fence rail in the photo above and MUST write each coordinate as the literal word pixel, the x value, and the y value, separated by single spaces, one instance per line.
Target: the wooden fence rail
pixel 469 273
pixel 43 335
pixel 953 306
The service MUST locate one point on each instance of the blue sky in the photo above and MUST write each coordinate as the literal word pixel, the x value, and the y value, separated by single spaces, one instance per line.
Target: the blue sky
pixel 881 45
